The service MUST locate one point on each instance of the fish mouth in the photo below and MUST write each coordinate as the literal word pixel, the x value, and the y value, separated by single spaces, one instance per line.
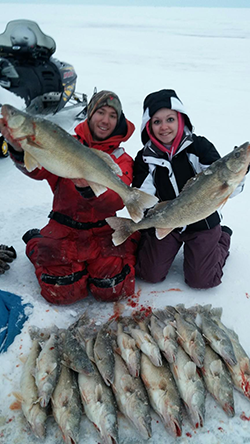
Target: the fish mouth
pixel 173 426
pixel 229 409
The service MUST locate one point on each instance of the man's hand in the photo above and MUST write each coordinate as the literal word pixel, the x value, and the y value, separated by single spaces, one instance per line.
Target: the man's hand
pixel 7 254
pixel 80 183
pixel 4 130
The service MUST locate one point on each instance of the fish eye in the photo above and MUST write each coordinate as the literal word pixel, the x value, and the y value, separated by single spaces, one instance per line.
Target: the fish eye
pixel 237 154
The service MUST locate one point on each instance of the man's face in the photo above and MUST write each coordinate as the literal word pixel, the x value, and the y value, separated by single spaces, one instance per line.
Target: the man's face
pixel 103 123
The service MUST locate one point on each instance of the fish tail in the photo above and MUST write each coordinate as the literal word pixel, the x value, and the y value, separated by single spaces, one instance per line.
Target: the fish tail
pixel 139 201
pixel 123 228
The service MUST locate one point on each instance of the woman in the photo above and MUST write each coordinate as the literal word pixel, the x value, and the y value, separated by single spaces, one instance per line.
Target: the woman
pixel 171 155
pixel 74 251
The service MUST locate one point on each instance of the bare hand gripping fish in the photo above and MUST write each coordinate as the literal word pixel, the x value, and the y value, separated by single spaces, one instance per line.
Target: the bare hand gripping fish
pixel 47 145
pixel 200 197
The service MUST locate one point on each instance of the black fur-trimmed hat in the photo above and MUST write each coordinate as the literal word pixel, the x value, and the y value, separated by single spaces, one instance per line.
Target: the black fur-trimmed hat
pixel 104 98
pixel 165 98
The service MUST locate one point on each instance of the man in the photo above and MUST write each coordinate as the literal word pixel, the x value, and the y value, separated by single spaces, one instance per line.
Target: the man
pixel 74 251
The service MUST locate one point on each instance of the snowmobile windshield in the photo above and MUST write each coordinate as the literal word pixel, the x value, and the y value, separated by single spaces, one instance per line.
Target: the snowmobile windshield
pixel 25 37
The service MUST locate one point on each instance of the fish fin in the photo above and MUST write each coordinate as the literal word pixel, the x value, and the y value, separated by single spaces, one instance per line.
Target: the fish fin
pixel 190 369
pixel 245 365
pixel 66 397
pixel 162 232
pixel 234 335
pixel 190 181
pixel 193 336
pixel 137 201
pixel 127 383
pixel 123 228
pixel 30 162
pixel 31 142
pixel 97 188
pixel 52 368
pixel 216 367
pixel 204 309
pixel 216 312
pixel 169 332
pixel 224 202
pixel 108 159
pixel 158 207
pixel 18 396
pixel 98 392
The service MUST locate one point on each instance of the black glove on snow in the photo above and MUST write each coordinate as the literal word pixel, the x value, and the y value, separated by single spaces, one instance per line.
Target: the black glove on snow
pixel 7 254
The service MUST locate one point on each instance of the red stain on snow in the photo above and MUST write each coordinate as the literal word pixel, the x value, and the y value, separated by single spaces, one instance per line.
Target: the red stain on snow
pixel 244 417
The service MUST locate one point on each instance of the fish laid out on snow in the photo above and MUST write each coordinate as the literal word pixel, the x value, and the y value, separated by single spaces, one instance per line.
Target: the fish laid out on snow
pixel 104 355
pixel 188 334
pixel 143 340
pixel 217 338
pixel 191 387
pixel 74 354
pixel 240 372
pixel 99 405
pixel 128 350
pixel 200 197
pixel 163 394
pixel 164 332
pixel 121 367
pixel 165 336
pixel 32 410
pixel 131 398
pixel 47 145
pixel 218 381
pixel 48 367
pixel 66 405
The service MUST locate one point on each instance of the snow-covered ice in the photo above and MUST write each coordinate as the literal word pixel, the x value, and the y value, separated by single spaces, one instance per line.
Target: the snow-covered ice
pixel 202 53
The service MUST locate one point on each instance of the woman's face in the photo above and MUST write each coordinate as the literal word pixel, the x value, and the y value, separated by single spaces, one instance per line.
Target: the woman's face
pixel 103 123
pixel 164 125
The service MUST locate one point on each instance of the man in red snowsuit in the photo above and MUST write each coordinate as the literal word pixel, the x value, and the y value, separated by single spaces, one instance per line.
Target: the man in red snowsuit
pixel 74 251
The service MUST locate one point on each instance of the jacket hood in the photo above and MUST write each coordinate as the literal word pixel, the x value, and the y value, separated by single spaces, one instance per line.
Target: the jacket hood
pixel 165 98
pixel 121 133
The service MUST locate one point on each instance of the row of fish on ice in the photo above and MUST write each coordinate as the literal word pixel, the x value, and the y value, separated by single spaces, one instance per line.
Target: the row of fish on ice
pixel 162 361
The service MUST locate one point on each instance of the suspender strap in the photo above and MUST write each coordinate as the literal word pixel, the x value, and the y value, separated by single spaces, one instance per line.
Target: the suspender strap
pixel 63 280
pixel 66 220
pixel 112 281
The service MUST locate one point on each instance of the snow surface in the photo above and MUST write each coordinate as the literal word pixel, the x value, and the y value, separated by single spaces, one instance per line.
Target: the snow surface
pixel 204 55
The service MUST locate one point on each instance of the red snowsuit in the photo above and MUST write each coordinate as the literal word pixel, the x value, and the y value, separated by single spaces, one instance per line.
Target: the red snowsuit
pixel 75 250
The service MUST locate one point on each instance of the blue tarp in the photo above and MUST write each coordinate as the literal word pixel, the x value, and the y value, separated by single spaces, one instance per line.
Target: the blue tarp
pixel 13 314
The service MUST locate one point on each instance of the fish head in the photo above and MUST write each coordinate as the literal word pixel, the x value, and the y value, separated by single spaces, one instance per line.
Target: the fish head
pixel 196 408
pixel 15 124
pixel 239 159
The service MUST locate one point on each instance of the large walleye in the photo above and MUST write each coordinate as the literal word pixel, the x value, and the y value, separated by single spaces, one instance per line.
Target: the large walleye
pixel 144 341
pixel 201 196
pixel 188 334
pixel 99 405
pixel 128 350
pixel 48 368
pixel 33 412
pixel 218 381
pixel 240 372
pixel 131 397
pixel 191 387
pixel 66 406
pixel 46 144
pixel 217 338
pixel 74 354
pixel 163 394
pixel 104 355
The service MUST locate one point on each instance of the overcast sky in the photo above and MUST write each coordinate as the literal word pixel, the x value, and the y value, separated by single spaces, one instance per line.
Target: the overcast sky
pixel 172 3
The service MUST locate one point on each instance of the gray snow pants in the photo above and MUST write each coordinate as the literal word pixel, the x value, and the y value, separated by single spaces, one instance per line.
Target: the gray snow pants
pixel 205 254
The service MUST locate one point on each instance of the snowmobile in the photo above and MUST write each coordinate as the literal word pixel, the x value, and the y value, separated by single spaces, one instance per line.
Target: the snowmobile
pixel 28 70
